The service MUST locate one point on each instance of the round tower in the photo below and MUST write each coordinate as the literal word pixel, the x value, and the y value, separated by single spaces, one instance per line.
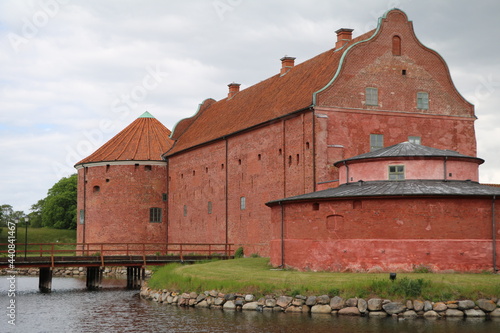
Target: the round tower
pixel 122 187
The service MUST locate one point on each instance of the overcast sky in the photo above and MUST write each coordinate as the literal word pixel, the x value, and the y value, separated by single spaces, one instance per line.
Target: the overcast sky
pixel 74 73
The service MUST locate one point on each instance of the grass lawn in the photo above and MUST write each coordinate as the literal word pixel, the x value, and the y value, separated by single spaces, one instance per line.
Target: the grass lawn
pixel 40 235
pixel 254 275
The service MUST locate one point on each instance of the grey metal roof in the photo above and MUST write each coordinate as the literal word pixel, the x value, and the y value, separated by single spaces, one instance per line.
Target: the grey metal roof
pixel 408 149
pixel 398 188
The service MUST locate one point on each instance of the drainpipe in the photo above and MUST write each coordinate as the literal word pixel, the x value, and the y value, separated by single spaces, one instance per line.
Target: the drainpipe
pixel 445 168
pixel 346 172
pixel 226 194
pixel 494 234
pixel 168 198
pixel 84 202
pixel 282 235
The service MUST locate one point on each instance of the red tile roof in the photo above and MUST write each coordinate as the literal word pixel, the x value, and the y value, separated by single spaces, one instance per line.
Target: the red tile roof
pixel 145 139
pixel 262 102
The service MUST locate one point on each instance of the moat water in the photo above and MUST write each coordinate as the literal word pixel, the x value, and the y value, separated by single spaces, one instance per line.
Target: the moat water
pixel 71 308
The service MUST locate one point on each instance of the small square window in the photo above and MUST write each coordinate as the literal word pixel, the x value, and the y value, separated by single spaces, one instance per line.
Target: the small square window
pixel 376 141
pixel 371 96
pixel 423 100
pixel 414 139
pixel 155 215
pixel 396 172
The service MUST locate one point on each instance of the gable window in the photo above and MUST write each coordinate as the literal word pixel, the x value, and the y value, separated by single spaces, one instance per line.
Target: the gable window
pixel 376 141
pixel 414 139
pixel 423 100
pixel 396 172
pixel 155 215
pixel 371 96
pixel 396 45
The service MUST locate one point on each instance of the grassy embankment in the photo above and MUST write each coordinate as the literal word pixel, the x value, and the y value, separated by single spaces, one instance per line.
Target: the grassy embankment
pixel 40 235
pixel 254 275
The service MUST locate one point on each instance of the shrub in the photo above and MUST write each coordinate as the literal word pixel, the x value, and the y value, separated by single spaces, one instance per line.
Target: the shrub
pixel 239 253
pixel 254 255
pixel 422 269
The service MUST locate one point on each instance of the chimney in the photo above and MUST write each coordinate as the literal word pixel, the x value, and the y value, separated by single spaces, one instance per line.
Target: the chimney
pixel 286 64
pixel 234 88
pixel 344 35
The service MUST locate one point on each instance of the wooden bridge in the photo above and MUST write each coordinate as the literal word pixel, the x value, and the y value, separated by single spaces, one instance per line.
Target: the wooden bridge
pixel 96 256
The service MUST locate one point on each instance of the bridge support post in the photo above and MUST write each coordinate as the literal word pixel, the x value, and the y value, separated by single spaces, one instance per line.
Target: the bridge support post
pixel 94 278
pixel 45 279
pixel 135 276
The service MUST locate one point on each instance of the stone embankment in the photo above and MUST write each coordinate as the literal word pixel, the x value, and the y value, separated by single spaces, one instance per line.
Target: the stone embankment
pixel 70 271
pixel 374 307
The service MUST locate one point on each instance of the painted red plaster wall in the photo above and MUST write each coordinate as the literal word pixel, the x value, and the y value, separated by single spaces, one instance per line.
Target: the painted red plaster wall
pixel 389 233
pixel 414 169
pixel 119 211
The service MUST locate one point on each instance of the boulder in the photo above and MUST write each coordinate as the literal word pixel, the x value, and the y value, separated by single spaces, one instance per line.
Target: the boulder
pixel 409 305
pixel 250 306
pixel 486 304
pixel 454 313
pixel 375 304
pixel 410 314
pixel 439 307
pixel 393 308
pixel 229 305
pixel 495 313
pixel 200 298
pixel 293 308
pixel 311 300
pixel 474 313
pixel 321 308
pixel 249 298
pixel 351 302
pixel 466 304
pixel 431 314
pixel 298 302
pixel 284 301
pixel 336 303
pixel 193 295
pixel 377 314
pixel 323 299
pixel 418 305
pixel 202 304
pixel 362 305
pixel 270 303
pixel 427 306
pixel 349 311
pixel 219 301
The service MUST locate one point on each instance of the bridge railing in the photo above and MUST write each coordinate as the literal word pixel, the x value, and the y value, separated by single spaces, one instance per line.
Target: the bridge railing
pixel 119 249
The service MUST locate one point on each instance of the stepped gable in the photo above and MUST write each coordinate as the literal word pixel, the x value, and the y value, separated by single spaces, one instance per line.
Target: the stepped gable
pixel 145 139
pixel 278 96
pixel 408 149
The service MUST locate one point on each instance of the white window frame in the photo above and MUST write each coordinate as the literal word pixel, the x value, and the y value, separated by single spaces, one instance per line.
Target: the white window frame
pixel 371 96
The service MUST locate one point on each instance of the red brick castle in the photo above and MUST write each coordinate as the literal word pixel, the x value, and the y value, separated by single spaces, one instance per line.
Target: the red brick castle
pixel 361 158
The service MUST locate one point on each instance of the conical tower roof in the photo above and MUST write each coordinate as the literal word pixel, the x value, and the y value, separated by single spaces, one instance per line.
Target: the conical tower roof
pixel 145 139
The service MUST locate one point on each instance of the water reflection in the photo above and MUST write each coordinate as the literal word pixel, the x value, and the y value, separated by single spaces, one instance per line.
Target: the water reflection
pixel 70 308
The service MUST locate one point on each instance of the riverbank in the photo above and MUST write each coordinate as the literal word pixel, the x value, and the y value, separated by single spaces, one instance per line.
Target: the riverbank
pixel 117 271
pixel 373 307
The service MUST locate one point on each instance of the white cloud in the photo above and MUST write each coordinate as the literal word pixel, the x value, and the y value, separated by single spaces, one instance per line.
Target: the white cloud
pixel 70 69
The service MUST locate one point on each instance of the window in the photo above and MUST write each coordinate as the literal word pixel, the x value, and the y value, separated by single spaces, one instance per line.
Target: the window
pixel 423 100
pixel 414 139
pixel 396 45
pixel 243 203
pixel 396 172
pixel 155 215
pixel 82 216
pixel 96 189
pixel 376 141
pixel 210 207
pixel 316 206
pixel 371 95
pixel 147 168
pixel 185 210
pixel 164 196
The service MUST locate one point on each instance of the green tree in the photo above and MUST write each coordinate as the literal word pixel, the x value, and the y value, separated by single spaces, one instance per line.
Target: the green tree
pixel 59 207
pixel 6 214
pixel 36 214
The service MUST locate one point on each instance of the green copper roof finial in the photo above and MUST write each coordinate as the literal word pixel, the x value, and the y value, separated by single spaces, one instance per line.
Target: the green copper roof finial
pixel 146 115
